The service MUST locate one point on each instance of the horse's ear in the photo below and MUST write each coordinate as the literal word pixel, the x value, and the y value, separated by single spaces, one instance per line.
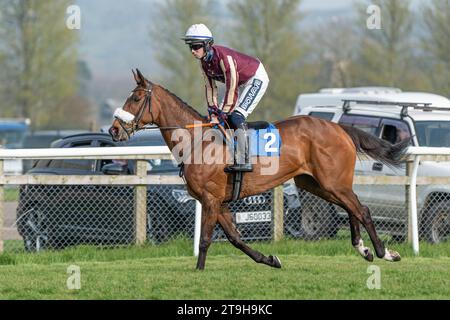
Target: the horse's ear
pixel 136 78
pixel 141 77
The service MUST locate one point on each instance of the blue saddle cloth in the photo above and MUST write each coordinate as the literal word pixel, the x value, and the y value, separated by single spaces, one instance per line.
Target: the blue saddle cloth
pixel 265 141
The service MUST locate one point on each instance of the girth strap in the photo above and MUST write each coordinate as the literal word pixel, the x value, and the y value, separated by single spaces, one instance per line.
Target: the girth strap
pixel 238 178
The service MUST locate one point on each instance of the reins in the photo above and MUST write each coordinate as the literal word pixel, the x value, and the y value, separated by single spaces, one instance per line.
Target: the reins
pixel 148 101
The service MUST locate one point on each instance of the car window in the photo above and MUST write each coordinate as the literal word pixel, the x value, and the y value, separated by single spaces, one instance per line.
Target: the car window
pixel 154 166
pixel 106 144
pixel 43 163
pixel 74 164
pixel 80 144
pixel 367 124
pixel 11 139
pixel 394 131
pixel 322 115
pixel 433 133
pixel 161 166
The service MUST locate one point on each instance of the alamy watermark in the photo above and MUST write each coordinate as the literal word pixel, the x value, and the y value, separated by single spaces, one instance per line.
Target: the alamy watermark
pixel 73 21
pixel 374 280
pixel 373 22
pixel 74 280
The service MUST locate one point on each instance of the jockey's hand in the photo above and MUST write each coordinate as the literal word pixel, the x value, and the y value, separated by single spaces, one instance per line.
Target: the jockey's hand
pixel 213 119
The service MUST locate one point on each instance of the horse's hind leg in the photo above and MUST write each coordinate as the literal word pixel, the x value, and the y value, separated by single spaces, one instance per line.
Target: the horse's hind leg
pixel 357 242
pixel 226 221
pixel 351 203
pixel 309 184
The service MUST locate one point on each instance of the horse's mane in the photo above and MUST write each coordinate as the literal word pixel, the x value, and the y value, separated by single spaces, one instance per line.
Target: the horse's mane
pixel 183 103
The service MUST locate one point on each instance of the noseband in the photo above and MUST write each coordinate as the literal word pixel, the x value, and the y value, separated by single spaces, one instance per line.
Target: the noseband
pixel 131 127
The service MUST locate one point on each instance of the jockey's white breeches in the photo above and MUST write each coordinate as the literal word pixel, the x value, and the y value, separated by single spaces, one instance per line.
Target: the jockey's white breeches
pixel 252 91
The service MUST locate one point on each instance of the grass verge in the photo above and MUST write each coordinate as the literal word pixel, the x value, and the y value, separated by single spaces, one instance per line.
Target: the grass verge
pixel 311 270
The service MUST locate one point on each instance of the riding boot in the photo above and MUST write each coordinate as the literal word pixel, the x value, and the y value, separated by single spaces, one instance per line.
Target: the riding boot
pixel 242 151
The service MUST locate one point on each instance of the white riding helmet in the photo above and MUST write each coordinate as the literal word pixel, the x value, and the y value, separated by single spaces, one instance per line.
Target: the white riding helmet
pixel 198 33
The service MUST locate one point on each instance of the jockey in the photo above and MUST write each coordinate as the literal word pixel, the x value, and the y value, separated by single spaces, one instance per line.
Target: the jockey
pixel 237 71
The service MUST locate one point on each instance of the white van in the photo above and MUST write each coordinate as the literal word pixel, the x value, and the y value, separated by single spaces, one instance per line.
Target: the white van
pixel 393 115
pixel 335 96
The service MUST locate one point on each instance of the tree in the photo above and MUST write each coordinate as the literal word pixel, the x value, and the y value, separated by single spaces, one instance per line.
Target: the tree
pixel 436 44
pixel 334 52
pixel 386 55
pixel 268 30
pixel 182 72
pixel 39 60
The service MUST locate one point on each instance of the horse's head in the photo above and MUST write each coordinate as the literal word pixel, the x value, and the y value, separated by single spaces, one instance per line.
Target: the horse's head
pixel 137 111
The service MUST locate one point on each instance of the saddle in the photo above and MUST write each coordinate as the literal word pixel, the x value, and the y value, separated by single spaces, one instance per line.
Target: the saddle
pixel 258 125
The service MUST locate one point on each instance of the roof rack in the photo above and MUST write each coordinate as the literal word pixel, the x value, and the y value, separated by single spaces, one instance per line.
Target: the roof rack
pixel 425 106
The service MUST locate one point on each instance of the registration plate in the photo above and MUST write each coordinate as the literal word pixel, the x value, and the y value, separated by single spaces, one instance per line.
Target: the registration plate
pixel 255 216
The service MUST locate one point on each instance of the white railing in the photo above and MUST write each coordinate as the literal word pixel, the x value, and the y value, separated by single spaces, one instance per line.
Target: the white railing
pixel 141 180
pixel 416 154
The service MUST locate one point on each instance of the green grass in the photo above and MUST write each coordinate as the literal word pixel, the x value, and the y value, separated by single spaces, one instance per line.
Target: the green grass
pixel 11 194
pixel 311 270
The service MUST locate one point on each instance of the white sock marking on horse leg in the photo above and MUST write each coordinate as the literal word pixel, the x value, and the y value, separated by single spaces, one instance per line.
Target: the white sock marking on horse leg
pixel 363 251
pixel 387 255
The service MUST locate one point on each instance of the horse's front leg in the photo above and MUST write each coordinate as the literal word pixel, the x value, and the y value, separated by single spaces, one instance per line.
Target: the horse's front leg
pixel 226 221
pixel 210 210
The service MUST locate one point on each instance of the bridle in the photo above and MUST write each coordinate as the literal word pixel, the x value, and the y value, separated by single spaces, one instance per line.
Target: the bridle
pixel 132 127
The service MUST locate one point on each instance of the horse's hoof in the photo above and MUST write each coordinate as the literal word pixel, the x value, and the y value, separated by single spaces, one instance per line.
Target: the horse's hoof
pixel 392 256
pixel 276 263
pixel 364 251
pixel 368 256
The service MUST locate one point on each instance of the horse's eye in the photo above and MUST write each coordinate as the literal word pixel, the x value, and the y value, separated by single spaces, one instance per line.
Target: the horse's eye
pixel 136 98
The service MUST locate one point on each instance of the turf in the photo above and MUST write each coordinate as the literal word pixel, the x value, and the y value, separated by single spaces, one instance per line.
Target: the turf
pixel 311 270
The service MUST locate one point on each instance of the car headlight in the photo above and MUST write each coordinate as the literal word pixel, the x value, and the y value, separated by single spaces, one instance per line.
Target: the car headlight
pixel 182 196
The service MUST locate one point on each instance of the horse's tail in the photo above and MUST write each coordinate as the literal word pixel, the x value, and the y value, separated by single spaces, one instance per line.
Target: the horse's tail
pixel 378 149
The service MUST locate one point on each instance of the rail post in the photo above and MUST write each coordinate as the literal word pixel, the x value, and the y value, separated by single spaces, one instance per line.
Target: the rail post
pixel 278 223
pixel 413 227
pixel 140 203
pixel 409 166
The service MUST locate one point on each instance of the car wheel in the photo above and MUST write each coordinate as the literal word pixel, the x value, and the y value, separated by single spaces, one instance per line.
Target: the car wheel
pixel 436 222
pixel 318 218
pixel 157 230
pixel 35 236
pixel 292 221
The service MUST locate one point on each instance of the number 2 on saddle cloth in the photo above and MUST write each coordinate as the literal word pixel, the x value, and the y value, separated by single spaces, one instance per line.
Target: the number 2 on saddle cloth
pixel 264 140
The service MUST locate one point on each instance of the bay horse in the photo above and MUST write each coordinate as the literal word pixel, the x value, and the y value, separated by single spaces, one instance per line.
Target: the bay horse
pixel 319 155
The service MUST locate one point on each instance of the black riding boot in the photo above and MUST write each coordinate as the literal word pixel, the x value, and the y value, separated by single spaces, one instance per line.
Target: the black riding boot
pixel 242 152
